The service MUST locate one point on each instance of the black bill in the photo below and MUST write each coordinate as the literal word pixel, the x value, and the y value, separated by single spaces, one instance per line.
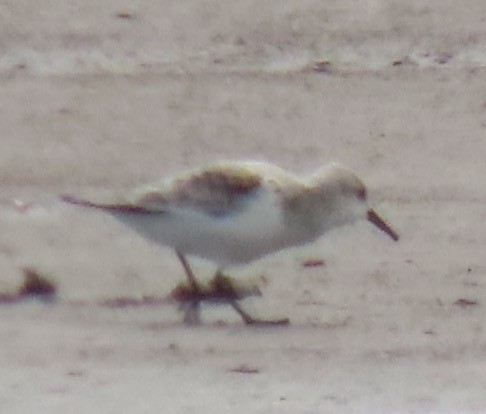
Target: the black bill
pixel 381 224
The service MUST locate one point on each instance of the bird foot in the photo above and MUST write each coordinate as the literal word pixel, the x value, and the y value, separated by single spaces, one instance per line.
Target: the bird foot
pixel 250 320
pixel 221 289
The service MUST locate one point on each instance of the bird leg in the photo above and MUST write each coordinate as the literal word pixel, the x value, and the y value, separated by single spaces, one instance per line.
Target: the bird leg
pixel 250 320
pixel 191 309
pixel 224 289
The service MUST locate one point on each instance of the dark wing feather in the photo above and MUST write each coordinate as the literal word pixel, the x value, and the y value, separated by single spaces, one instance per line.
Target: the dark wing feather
pixel 217 190
pixel 122 207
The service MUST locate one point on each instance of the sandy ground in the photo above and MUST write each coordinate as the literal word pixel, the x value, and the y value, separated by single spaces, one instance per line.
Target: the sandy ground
pixel 101 96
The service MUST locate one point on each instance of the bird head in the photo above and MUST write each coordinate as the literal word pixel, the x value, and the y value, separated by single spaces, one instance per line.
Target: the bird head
pixel 343 198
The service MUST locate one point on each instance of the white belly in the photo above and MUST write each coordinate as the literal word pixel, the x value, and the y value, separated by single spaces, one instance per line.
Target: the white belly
pixel 239 237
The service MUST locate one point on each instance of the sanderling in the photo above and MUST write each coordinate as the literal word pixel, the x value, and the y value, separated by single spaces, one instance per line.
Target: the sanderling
pixel 236 212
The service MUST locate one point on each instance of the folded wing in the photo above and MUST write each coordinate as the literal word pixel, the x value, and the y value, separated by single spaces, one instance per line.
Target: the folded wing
pixel 216 191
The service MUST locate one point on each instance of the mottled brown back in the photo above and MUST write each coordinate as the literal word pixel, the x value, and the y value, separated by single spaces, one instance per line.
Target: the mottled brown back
pixel 217 190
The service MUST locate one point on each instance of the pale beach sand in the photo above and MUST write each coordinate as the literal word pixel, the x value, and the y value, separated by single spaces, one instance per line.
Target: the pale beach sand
pixel 97 97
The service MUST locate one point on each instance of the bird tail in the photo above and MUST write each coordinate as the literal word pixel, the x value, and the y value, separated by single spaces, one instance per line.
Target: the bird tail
pixel 113 207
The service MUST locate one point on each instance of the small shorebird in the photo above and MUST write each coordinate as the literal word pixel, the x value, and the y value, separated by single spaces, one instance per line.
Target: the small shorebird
pixel 235 212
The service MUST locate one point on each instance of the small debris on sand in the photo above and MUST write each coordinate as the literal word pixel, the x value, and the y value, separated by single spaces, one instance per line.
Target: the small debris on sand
pixel 220 289
pixel 36 285
pixel 465 303
pixel 16 204
pixel 245 369
pixel 124 15
pixel 322 66
pixel 314 263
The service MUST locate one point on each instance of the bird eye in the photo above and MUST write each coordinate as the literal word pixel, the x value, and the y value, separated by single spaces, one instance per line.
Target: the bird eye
pixel 362 193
